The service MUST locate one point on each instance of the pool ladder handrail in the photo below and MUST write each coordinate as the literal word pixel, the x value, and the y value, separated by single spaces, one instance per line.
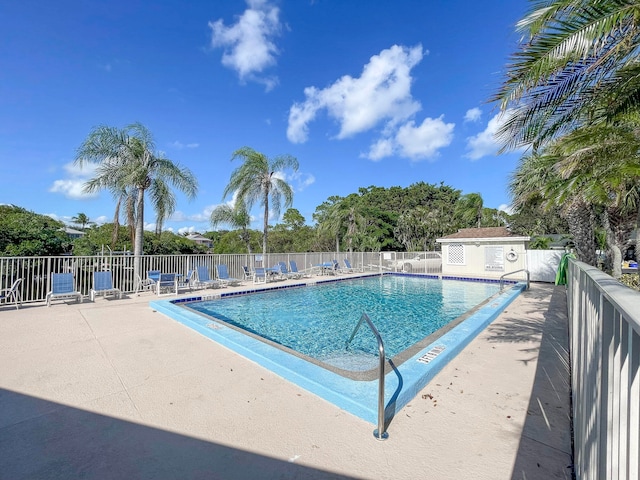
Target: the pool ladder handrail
pixel 379 433
pixel 515 271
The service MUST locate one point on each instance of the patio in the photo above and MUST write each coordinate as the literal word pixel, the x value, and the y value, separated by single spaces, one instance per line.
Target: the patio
pixel 112 389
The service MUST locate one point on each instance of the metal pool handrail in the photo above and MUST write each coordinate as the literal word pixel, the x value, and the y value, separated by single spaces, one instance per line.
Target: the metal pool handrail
pixel 515 271
pixel 379 433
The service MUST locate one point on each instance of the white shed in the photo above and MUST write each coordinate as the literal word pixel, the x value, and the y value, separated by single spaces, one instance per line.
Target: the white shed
pixel 484 252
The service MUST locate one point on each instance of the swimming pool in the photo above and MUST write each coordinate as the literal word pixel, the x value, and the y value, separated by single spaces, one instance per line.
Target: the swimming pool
pixel 358 397
pixel 315 323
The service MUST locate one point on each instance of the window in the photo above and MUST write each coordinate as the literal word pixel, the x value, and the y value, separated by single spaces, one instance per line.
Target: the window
pixel 456 254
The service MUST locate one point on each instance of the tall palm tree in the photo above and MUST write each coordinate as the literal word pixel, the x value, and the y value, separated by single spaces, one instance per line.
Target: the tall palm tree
pixel 576 64
pixel 259 179
pixel 82 220
pixel 469 209
pixel 129 166
pixel 236 217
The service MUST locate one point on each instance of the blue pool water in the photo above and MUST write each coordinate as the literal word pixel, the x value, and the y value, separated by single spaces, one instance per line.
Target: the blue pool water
pixel 317 321
pixel 407 373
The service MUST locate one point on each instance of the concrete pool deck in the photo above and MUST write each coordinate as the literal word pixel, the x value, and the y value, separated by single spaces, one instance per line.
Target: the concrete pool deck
pixel 112 389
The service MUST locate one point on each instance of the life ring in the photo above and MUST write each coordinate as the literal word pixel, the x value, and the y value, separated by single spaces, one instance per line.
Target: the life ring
pixel 512 256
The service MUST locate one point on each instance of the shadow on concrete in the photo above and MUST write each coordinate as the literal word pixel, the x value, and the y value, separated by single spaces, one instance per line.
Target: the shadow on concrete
pixel 40 439
pixel 545 449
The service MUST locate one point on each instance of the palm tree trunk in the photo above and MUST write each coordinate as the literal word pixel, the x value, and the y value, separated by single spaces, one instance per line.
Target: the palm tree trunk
pixel 637 247
pixel 266 227
pixel 246 237
pixel 116 226
pixel 581 220
pixel 612 243
pixel 139 237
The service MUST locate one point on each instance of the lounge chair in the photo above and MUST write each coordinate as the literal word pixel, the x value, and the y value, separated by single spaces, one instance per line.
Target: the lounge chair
pixel 224 278
pixel 149 283
pixel 167 284
pixel 103 285
pixel 349 268
pixel 62 288
pixel 293 267
pixel 248 274
pixel 187 282
pixel 260 275
pixel 11 294
pixel 153 275
pixel 204 280
pixel 288 273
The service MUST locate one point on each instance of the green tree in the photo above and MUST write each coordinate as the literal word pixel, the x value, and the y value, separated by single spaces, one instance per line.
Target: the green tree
pixel 537 180
pixel 128 165
pixel 292 235
pixel 540 243
pixel 602 161
pixel 235 217
pixel 293 219
pixel 343 218
pixel 95 239
pixel 532 220
pixel 82 220
pixel 419 228
pixel 24 233
pixel 469 209
pixel 259 179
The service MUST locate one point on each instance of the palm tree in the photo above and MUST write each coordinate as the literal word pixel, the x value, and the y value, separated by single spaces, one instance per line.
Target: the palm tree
pixel 129 166
pixel 82 220
pixel 236 217
pixel 259 179
pixel 604 161
pixel 576 64
pixel 536 180
pixel 469 209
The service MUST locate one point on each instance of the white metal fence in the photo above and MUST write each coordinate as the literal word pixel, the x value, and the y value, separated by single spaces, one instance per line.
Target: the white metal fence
pixel 35 272
pixel 604 322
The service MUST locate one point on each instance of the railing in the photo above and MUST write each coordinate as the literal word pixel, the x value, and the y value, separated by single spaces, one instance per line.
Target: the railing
pixel 604 327
pixel 380 432
pixel 511 273
pixel 35 272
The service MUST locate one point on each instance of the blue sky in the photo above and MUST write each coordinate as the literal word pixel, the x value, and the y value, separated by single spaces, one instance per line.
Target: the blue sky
pixel 362 93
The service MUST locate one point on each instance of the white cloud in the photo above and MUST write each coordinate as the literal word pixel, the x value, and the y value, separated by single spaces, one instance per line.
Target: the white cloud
pixel 414 142
pixel 55 216
pixel 384 147
pixel 248 44
pixel 485 143
pixel 506 208
pixel 381 93
pixel 73 185
pixel 473 115
pixel 184 230
pixel 299 180
pixel 102 219
pixel 425 140
pixel 179 145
